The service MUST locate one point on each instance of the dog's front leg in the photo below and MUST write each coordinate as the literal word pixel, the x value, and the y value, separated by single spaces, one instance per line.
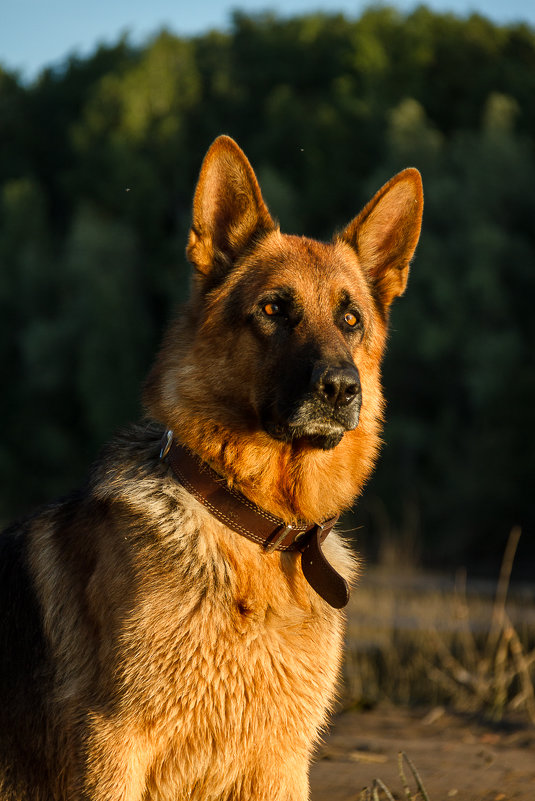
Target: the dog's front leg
pixel 281 778
pixel 114 767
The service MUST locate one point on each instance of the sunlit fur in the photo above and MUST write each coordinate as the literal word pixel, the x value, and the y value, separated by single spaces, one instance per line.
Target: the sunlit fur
pixel 192 652
pixel 177 661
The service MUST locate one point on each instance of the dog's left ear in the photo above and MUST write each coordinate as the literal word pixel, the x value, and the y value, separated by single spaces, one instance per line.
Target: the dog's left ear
pixel 228 209
pixel 386 232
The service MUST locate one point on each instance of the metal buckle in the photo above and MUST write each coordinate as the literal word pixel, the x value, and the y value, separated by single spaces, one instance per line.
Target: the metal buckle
pixel 271 545
pixel 326 527
pixel 165 444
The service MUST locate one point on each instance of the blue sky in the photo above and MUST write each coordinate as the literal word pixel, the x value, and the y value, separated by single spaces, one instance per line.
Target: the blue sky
pixel 38 33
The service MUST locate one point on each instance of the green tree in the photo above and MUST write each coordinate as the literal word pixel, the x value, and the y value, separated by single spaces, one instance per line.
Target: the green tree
pixel 98 159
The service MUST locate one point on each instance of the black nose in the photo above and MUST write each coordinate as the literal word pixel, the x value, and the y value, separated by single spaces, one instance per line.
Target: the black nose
pixel 336 386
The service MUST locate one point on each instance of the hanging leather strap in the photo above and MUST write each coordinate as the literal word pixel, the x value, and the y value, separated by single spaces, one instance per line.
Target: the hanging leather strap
pixel 246 518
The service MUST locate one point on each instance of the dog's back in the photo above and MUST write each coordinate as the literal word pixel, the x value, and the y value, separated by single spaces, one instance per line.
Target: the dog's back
pixel 23 674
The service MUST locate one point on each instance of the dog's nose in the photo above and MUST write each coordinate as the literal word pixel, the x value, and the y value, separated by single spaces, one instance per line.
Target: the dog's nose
pixel 336 386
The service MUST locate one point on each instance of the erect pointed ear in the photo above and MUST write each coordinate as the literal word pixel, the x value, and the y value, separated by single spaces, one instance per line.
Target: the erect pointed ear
pixel 228 209
pixel 386 232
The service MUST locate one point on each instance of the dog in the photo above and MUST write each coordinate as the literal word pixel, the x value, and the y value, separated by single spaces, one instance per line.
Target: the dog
pixel 152 644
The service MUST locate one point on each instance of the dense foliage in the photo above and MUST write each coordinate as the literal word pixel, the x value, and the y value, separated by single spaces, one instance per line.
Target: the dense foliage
pixel 98 161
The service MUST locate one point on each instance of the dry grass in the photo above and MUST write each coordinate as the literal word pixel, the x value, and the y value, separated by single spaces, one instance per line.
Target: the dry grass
pixel 421 640
pixel 379 790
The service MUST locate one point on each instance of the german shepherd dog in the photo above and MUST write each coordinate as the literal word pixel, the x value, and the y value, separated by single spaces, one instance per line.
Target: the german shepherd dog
pixel 148 650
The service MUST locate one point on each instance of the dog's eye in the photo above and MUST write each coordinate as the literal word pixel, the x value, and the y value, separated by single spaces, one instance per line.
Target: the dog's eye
pixel 271 309
pixel 351 319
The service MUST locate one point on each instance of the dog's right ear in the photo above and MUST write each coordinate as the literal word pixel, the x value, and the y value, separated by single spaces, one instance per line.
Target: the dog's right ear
pixel 228 209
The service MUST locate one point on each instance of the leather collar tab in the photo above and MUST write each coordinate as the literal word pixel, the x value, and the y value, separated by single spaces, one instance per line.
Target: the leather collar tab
pixel 241 515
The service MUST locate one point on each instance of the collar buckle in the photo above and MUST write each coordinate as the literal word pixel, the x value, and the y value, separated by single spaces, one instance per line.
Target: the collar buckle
pixel 276 538
pixel 326 527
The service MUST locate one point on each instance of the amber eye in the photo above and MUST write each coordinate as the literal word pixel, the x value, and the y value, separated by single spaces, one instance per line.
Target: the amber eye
pixel 271 309
pixel 351 319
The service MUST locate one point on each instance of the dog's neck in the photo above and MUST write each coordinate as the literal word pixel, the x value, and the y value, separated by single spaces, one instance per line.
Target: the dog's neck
pixel 287 479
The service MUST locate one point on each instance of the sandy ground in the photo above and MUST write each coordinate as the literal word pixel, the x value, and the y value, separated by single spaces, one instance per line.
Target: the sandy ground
pixel 456 757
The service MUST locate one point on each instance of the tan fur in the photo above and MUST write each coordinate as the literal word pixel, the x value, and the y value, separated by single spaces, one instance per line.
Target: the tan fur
pixel 213 664
pixel 185 662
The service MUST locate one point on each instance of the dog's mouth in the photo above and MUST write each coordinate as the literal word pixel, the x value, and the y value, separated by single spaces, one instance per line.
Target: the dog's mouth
pixel 323 436
pixel 303 424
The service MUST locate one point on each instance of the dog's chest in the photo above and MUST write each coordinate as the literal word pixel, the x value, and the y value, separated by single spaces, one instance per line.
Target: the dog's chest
pixel 227 678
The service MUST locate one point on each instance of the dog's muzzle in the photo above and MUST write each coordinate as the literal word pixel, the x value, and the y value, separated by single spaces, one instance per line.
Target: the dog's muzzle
pixel 328 408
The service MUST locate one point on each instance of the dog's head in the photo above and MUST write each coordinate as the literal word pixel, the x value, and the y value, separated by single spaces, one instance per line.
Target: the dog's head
pixel 298 317
pixel 284 335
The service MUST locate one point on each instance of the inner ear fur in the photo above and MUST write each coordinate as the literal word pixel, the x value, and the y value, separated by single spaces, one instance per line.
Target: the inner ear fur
pixel 228 208
pixel 386 232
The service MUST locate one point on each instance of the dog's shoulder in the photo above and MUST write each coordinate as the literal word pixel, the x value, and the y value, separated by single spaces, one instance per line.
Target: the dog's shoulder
pixel 136 489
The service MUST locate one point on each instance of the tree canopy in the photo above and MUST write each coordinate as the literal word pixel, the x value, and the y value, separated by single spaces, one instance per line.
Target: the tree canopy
pixel 98 161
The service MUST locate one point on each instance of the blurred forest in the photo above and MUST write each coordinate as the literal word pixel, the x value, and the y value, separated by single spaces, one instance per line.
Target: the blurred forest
pixel 98 162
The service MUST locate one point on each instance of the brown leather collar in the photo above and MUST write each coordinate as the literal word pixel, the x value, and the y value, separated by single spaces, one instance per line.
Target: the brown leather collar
pixel 241 515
